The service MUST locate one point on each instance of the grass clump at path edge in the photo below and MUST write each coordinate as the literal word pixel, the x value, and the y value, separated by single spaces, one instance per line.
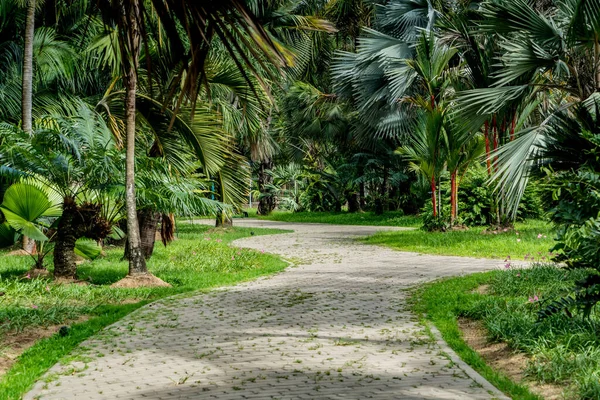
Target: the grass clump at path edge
pixel 561 351
pixel 199 260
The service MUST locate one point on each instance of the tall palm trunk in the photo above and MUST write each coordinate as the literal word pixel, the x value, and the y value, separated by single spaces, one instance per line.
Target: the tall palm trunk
pixel 453 197
pixel 27 90
pixel 26 99
pixel 130 49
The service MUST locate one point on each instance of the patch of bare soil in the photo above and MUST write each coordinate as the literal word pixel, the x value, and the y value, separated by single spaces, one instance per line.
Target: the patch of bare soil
pixel 13 344
pixel 70 281
pixel 18 252
pixel 140 280
pixel 218 230
pixel 38 273
pixel 504 359
pixel 483 289
pixel 497 229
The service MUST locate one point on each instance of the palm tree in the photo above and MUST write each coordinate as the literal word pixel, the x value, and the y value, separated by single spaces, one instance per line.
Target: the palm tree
pixel 77 158
pixel 26 101
pixel 204 21
pixel 549 64
pixel 28 209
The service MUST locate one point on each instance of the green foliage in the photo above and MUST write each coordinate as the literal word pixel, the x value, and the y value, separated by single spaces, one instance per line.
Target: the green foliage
pixel 476 199
pixel 563 350
pixel 575 187
pixel 29 209
pixel 441 303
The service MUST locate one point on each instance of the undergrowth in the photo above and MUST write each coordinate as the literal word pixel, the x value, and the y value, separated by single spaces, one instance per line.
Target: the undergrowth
pixel 563 350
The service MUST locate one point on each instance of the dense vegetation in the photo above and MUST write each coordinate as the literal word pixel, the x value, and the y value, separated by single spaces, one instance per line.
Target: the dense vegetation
pixel 117 116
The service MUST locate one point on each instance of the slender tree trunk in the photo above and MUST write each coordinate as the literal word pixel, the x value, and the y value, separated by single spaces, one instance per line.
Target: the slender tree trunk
pixel 27 91
pixel 266 204
pixel 495 137
pixel 130 47
pixel 26 99
pixel 486 135
pixel 224 220
pixel 384 189
pixel 453 197
pixel 433 196
pixel 66 236
pixel 380 203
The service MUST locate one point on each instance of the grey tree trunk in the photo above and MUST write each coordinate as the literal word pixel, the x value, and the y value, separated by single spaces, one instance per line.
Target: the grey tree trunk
pixel 27 90
pixel 130 48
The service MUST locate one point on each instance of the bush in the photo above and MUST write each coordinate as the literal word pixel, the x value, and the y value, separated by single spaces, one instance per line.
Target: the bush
pixel 475 202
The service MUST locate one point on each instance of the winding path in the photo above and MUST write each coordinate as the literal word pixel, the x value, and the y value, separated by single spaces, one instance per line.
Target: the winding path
pixel 333 327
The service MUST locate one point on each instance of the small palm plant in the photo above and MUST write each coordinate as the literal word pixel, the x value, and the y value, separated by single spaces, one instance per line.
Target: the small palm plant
pixel 30 209
pixel 77 158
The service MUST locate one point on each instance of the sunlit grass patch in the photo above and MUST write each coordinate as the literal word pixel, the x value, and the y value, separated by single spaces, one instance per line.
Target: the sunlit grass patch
pixel 530 241
pixel 201 258
pixel 391 218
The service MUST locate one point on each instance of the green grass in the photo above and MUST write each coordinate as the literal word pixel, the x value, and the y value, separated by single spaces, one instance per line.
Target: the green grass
pixel 199 260
pixel 564 351
pixel 391 218
pixel 472 243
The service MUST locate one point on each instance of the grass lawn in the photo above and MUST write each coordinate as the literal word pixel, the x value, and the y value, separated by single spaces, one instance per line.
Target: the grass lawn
pixel 391 218
pixel 528 244
pixel 199 260
pixel 562 351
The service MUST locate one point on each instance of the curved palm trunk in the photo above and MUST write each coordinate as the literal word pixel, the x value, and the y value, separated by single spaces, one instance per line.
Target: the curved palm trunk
pixel 130 47
pixel 27 90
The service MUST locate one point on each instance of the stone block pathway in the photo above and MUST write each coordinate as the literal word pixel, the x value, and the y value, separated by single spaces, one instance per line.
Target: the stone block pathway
pixel 335 326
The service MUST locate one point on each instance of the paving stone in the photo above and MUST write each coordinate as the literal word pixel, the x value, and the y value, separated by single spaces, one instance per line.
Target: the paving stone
pixel 334 326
